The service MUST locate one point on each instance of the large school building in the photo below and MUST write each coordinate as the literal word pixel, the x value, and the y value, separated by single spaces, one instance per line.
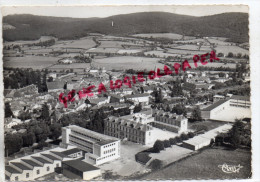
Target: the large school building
pixel 99 148
pixel 236 107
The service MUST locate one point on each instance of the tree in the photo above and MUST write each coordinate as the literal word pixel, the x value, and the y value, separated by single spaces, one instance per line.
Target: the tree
pixel 191 135
pixel 167 143
pixel 220 54
pixel 172 141
pixel 28 139
pixel 13 143
pixel 184 136
pixel 138 108
pixel 178 139
pixel 179 109
pixel 158 96
pixel 45 112
pixel 230 55
pixel 156 164
pixel 239 55
pixel 55 130
pixel 158 146
pixel 24 116
pixel 8 111
pixel 196 114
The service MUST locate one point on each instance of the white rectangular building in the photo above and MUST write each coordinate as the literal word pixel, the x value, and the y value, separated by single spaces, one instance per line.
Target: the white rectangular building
pixel 100 148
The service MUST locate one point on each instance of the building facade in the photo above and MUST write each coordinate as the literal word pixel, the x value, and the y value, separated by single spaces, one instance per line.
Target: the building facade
pixel 169 121
pixel 100 148
pixel 130 130
pixel 236 107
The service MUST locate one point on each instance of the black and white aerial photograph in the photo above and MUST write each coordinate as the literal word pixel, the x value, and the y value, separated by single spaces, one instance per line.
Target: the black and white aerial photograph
pixel 126 92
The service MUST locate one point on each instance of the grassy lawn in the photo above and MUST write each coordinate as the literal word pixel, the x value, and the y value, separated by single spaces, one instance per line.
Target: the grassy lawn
pixel 204 165
pixel 210 124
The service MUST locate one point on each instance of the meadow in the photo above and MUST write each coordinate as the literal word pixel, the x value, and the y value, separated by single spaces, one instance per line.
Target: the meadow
pixel 164 35
pixel 128 62
pixel 115 44
pixel 160 54
pixel 35 62
pixel 70 66
pixel 84 43
pixel 205 165
pixel 129 51
pixel 234 49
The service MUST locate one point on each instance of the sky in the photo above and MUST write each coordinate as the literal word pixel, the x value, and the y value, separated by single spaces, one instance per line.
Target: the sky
pixel 105 11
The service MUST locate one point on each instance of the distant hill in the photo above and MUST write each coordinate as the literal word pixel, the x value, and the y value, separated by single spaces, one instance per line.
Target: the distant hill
pixel 30 27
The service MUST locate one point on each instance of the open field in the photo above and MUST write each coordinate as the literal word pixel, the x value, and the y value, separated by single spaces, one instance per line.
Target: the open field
pixel 84 43
pixel 213 64
pixel 103 50
pixel 129 51
pixel 186 52
pixel 204 165
pixel 160 54
pixel 194 47
pixel 128 62
pixel 164 35
pixel 218 41
pixel 234 49
pixel 70 66
pixel 191 41
pixel 115 44
pixel 35 62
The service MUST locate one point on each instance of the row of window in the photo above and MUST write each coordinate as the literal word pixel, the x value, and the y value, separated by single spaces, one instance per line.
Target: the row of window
pixel 109 151
pixel 130 138
pixel 92 158
pixel 76 155
pixel 169 121
pixel 134 131
pixel 38 172
pixel 126 134
pixel 85 135
pixel 106 157
pixel 239 106
pixel 109 145
pixel 81 145
pixel 72 136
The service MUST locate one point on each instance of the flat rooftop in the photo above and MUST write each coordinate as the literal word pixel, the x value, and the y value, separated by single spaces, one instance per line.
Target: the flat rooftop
pixel 80 165
pixel 100 137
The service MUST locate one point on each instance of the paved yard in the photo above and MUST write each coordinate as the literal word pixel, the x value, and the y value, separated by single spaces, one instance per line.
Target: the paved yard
pixel 171 154
pixel 126 164
pixel 159 134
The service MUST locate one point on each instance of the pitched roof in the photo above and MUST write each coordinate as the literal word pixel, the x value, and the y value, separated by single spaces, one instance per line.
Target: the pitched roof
pixel 71 151
pixel 11 169
pixel 239 97
pixel 32 163
pixel 59 154
pixel 213 106
pixel 137 95
pixel 55 85
pixel 80 165
pixel 21 166
pixel 50 157
pixel 42 160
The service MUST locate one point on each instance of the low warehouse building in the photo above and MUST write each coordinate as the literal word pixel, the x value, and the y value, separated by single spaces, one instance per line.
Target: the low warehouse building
pixel 77 169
